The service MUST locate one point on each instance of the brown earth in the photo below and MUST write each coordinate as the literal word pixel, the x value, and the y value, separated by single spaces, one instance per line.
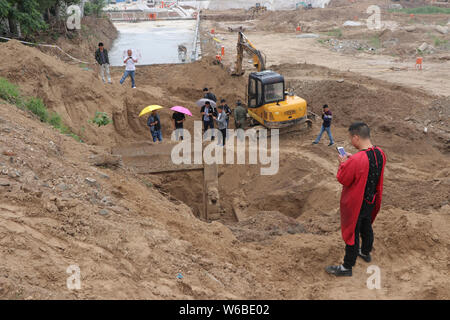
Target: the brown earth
pixel 132 234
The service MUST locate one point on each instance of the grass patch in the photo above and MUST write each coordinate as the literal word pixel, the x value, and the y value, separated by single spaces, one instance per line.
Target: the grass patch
pixel 375 42
pixel 37 106
pixel 336 33
pixel 423 10
pixel 438 42
pixel 10 93
pixel 55 120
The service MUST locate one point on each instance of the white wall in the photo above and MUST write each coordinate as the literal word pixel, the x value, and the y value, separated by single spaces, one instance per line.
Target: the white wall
pixel 246 4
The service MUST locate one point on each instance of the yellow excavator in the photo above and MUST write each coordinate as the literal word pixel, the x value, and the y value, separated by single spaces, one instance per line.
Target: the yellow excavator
pixel 268 101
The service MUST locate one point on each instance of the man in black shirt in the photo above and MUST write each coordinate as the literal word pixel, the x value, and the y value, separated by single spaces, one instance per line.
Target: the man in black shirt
pixel 102 58
pixel 208 112
pixel 209 95
pixel 178 119
pixel 327 116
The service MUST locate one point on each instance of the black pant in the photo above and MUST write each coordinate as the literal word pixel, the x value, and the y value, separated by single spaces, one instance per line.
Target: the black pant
pixel 208 125
pixel 224 136
pixel 363 228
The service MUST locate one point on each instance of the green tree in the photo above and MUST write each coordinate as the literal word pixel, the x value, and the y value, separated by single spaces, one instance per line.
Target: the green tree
pixel 32 16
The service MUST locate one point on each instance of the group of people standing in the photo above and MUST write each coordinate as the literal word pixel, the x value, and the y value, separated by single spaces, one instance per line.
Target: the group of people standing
pixel 221 116
pixel 212 117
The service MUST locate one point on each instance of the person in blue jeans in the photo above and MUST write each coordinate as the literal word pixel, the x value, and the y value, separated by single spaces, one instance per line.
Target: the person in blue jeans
pixel 326 125
pixel 155 126
pixel 130 68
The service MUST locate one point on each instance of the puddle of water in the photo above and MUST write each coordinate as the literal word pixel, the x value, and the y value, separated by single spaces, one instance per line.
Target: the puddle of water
pixel 153 42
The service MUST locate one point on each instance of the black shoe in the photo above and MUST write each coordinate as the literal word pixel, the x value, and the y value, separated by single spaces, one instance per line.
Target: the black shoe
pixel 331 144
pixel 315 142
pixel 339 271
pixel 365 257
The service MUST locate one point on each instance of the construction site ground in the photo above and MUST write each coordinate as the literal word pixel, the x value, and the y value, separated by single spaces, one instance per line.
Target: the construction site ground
pixel 65 203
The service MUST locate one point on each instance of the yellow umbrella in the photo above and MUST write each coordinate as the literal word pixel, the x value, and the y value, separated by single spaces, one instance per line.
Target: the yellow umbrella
pixel 149 109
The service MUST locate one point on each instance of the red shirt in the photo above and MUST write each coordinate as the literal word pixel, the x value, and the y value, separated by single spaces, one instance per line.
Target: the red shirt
pixel 352 174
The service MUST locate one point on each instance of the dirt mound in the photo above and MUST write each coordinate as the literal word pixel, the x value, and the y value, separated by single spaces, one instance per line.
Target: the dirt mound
pixel 390 108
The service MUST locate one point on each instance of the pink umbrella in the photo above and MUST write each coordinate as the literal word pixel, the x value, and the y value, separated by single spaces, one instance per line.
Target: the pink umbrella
pixel 182 110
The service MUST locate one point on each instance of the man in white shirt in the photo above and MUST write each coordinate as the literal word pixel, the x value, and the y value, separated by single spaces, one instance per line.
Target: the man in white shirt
pixel 130 68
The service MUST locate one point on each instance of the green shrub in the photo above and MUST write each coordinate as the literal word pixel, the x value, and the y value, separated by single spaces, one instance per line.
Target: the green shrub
pixel 9 92
pixel 94 7
pixel 55 120
pixel 101 119
pixel 37 106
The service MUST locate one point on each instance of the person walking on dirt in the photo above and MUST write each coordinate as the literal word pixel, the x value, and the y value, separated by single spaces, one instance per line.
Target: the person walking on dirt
pixel 101 56
pixel 361 175
pixel 209 95
pixel 130 68
pixel 154 123
pixel 178 119
pixel 222 124
pixel 207 112
pixel 326 125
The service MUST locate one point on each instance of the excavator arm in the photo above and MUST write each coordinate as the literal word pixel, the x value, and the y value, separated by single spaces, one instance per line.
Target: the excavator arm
pixel 259 61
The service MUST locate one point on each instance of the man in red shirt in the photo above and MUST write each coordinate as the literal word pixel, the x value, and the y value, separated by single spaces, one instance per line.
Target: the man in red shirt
pixel 361 175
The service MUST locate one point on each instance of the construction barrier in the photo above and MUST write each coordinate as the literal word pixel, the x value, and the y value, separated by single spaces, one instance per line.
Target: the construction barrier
pixel 419 62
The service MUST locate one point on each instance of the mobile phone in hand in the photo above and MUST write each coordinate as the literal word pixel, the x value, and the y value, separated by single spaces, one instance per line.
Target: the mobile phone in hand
pixel 341 151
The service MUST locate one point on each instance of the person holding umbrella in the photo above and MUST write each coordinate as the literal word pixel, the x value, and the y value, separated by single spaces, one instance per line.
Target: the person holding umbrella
pixel 207 112
pixel 154 123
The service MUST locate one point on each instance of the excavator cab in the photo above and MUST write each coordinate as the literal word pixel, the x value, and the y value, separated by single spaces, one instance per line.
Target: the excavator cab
pixel 269 104
pixel 265 87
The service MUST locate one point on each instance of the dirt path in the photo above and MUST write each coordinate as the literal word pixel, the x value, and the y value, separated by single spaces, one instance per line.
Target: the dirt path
pixel 287 48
